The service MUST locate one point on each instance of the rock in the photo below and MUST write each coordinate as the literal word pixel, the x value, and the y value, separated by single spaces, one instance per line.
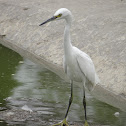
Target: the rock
pixel 9 113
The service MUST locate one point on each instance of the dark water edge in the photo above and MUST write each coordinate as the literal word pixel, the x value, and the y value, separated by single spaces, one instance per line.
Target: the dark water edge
pixel 25 84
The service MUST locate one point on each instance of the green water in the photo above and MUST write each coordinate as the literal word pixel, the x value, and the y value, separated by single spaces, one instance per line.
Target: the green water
pixel 25 83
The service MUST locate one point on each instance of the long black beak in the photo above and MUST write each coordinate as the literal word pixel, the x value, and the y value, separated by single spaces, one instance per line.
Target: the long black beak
pixel 51 19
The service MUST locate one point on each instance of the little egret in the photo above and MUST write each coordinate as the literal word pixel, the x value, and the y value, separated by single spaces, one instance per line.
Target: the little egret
pixel 77 65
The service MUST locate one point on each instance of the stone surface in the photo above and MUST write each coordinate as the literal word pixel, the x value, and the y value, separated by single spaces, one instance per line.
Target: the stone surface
pixel 20 117
pixel 99 29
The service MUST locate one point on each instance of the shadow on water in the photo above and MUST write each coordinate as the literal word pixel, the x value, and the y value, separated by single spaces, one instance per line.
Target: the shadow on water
pixel 25 84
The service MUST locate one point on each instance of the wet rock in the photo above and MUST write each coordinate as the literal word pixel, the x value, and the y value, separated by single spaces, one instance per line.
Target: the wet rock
pixel 102 37
pixel 16 116
pixel 9 113
pixel 2 108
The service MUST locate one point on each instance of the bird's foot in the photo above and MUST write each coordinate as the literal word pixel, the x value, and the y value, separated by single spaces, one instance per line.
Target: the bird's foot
pixel 62 123
pixel 86 123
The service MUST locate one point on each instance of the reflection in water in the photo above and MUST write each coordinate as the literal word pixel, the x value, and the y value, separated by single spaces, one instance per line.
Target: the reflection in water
pixel 28 75
pixel 41 90
pixel 29 85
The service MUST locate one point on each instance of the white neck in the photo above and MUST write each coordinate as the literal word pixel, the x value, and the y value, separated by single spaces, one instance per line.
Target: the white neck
pixel 67 39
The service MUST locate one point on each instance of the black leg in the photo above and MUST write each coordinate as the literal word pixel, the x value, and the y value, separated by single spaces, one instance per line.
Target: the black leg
pixel 70 100
pixel 84 104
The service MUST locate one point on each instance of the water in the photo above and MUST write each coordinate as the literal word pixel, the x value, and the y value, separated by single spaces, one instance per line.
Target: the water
pixel 26 84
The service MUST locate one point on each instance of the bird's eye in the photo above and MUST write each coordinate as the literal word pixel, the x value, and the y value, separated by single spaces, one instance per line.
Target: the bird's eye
pixel 59 15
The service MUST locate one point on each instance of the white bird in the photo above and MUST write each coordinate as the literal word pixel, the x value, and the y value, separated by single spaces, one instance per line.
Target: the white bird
pixel 77 65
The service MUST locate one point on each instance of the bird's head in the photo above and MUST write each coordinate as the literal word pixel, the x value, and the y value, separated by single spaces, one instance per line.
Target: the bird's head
pixel 62 13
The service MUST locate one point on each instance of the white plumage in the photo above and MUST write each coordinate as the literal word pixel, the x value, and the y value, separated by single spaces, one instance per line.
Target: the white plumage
pixel 77 65
pixel 80 68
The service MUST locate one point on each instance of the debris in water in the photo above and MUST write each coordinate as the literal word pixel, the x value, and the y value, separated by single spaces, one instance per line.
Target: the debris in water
pixel 26 108
pixel 21 62
pixel 116 114
pixel 8 98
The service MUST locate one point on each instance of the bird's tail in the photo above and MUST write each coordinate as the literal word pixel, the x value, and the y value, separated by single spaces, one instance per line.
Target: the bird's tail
pixel 90 86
